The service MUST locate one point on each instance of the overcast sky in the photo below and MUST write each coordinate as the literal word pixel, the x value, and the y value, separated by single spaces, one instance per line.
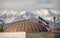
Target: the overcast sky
pixel 28 4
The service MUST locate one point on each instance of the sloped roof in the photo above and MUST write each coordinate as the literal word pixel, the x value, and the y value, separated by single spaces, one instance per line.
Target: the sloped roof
pixel 24 26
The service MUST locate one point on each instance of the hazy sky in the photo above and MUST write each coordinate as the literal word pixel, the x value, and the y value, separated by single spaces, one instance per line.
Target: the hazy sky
pixel 28 4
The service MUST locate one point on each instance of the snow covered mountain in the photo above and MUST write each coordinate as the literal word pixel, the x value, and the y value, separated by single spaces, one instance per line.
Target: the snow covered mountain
pixel 10 16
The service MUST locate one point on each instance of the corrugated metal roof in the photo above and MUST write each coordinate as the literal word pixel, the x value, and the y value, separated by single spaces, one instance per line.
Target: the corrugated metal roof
pixel 24 26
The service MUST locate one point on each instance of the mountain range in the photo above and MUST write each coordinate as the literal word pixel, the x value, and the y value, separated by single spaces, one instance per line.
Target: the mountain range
pixel 11 16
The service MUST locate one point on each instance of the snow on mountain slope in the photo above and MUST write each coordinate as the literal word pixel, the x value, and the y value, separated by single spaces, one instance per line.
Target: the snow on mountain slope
pixel 13 15
pixel 41 12
pixel 2 12
pixel 10 16
pixel 7 16
pixel 55 11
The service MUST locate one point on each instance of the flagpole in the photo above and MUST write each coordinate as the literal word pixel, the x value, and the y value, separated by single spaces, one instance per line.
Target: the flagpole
pixel 54 21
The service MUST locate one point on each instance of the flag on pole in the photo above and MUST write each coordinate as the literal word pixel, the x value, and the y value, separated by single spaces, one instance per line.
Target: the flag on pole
pixel 43 20
pixel 44 29
pixel 44 23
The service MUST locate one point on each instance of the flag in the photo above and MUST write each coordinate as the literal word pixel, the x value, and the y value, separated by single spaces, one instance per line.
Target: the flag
pixel 43 20
pixel 44 29
pixel 44 25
